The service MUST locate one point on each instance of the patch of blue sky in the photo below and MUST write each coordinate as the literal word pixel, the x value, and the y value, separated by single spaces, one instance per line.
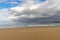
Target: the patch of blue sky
pixel 19 1
pixel 8 4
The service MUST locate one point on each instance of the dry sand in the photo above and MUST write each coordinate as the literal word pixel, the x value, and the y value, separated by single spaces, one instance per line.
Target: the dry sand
pixel 48 33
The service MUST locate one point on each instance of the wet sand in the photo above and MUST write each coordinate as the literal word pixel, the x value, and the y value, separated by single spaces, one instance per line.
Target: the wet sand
pixel 39 33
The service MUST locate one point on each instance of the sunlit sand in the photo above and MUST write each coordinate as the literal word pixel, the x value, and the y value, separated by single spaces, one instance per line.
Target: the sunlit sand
pixel 37 33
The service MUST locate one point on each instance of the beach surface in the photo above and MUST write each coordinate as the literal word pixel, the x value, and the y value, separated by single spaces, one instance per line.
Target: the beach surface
pixel 37 33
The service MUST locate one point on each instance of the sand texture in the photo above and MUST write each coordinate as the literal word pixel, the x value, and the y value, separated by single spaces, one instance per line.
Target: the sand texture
pixel 48 33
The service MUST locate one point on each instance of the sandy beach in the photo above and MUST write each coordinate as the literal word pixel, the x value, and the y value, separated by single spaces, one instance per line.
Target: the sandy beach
pixel 45 33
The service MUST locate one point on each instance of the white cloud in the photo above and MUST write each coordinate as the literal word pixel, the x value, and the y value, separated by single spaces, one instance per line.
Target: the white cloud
pixel 4 14
pixel 17 9
pixel 38 9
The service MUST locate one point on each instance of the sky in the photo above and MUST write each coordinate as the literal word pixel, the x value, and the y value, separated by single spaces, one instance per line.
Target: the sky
pixel 24 12
pixel 11 3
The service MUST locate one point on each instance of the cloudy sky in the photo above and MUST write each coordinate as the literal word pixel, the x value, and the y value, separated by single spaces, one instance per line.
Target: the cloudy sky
pixel 19 12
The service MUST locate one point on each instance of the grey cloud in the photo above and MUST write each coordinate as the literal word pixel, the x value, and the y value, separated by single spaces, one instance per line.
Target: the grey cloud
pixel 45 12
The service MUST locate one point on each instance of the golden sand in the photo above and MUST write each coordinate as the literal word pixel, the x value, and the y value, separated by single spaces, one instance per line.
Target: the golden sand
pixel 48 33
